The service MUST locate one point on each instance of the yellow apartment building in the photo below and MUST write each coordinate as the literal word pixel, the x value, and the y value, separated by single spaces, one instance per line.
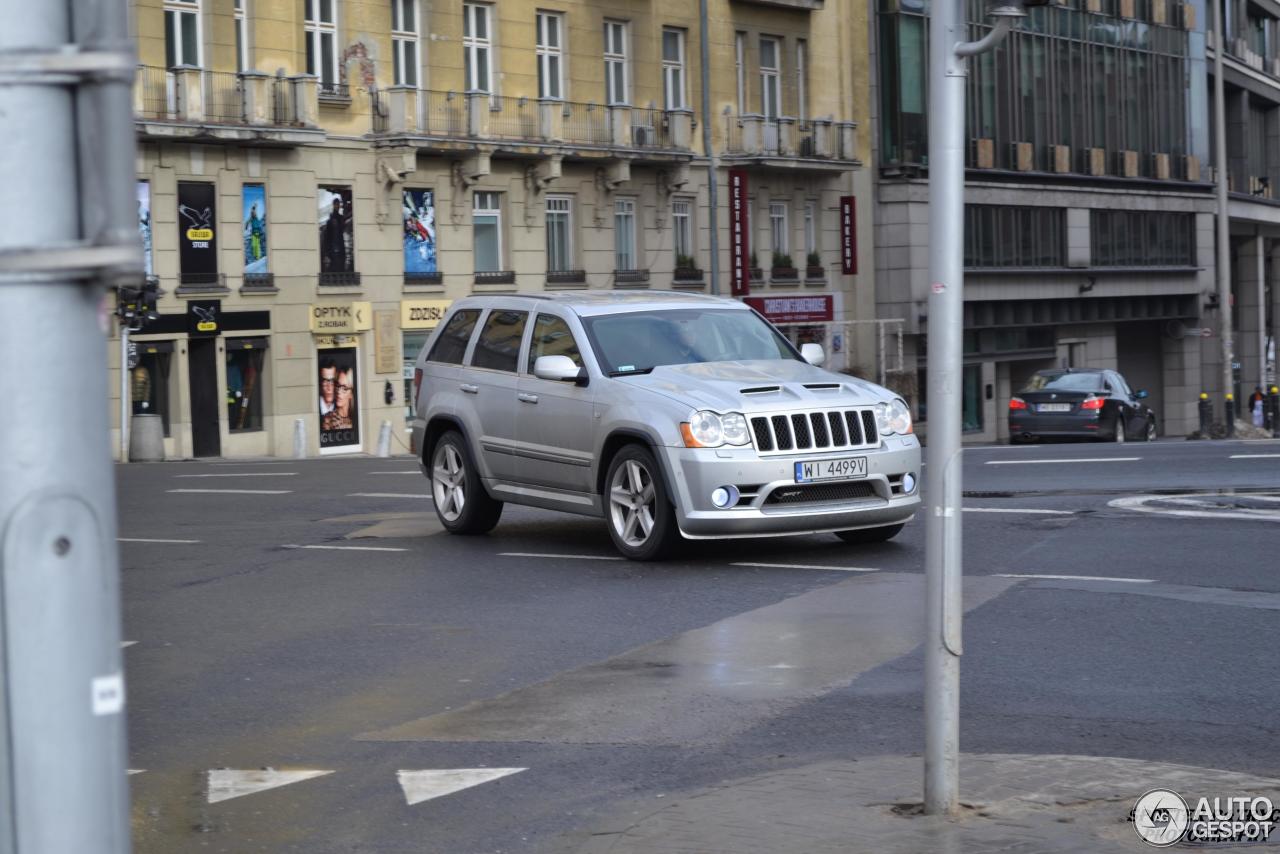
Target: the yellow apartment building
pixel 319 179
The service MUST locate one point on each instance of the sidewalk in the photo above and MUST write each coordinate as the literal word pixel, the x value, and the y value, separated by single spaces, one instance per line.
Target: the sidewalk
pixel 1012 803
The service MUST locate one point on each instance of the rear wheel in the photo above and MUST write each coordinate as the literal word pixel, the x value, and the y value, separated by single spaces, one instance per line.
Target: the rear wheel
pixel 1151 430
pixel 639 514
pixel 870 535
pixel 462 505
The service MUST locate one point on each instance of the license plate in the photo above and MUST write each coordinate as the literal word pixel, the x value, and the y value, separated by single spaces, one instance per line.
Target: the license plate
pixel 836 468
pixel 1054 407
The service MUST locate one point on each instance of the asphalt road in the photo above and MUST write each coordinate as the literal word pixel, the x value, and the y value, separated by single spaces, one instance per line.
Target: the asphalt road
pixel 397 652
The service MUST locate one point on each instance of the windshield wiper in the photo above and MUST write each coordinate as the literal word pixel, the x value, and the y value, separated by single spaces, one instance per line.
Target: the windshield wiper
pixel 631 372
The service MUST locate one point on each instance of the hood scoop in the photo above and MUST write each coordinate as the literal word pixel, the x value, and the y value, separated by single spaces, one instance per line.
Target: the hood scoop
pixel 761 389
pixel 822 386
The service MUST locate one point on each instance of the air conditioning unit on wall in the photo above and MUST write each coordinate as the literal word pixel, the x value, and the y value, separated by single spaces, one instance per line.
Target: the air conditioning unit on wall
pixel 643 135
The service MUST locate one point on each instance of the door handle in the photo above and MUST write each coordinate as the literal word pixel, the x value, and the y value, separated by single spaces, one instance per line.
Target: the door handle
pixel 470 389
pixel 525 397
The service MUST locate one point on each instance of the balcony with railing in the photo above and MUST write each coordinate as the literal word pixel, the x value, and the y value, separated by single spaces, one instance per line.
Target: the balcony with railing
pixel 817 144
pixel 430 119
pixel 234 107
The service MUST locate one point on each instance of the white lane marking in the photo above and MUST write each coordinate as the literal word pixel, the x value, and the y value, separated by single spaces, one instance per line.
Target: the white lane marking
pixel 558 557
pixel 396 472
pixel 244 474
pixel 419 786
pixel 236 491
pixel 256 463
pixel 1081 460
pixel 1254 456
pixel 1139 503
pixel 226 783
pixel 348 548
pixel 386 495
pixel 806 566
pixel 126 644
pixel 154 540
pixel 1017 510
pixel 1074 578
pixel 133 771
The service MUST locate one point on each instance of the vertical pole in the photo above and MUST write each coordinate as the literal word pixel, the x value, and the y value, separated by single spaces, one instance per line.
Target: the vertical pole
pixel 942 509
pixel 62 730
pixel 1223 218
pixel 713 201
pixel 124 390
pixel 1261 297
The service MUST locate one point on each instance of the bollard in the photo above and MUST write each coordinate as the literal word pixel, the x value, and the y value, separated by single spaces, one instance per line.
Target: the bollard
pixel 146 438
pixel 1231 415
pixel 300 438
pixel 1274 409
pixel 1206 415
pixel 384 440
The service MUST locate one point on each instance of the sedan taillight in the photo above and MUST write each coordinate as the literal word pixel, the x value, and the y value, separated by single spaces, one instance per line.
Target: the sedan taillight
pixel 1093 403
pixel 1017 403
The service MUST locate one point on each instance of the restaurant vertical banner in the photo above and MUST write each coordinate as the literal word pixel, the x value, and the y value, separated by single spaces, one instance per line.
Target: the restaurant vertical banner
pixel 848 239
pixel 739 234
pixel 197 242
pixel 339 406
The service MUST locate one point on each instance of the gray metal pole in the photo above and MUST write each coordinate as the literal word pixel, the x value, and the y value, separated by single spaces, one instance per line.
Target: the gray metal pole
pixel 1224 216
pixel 713 201
pixel 62 756
pixel 943 566
pixel 124 390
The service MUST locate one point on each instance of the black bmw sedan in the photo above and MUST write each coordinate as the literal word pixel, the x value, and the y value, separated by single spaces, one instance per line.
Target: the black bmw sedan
pixel 1085 404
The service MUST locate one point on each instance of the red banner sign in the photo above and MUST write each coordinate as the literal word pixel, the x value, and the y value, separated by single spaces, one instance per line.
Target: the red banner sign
pixel 848 240
pixel 739 234
pixel 805 309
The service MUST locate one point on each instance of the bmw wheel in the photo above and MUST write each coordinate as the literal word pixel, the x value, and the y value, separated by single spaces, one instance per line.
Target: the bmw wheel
pixel 641 519
pixel 462 505
pixel 1151 430
pixel 1120 437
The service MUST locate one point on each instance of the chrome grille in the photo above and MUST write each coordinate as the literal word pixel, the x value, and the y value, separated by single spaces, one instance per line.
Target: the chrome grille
pixel 817 430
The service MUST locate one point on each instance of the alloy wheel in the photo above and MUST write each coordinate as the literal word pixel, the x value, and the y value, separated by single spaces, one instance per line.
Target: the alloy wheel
pixel 448 482
pixel 632 503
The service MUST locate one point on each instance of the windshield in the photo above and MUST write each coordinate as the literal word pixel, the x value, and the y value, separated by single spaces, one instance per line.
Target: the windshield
pixel 1065 382
pixel 637 342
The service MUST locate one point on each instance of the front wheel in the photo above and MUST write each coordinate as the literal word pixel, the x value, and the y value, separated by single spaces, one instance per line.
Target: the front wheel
pixel 462 505
pixel 1151 430
pixel 1120 437
pixel 641 519
pixel 870 535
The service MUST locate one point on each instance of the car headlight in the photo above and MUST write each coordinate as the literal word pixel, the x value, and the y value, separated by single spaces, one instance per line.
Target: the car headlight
pixel 706 429
pixel 893 417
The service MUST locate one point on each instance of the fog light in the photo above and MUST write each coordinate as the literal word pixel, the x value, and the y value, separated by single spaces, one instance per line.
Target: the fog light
pixel 724 496
pixel 908 483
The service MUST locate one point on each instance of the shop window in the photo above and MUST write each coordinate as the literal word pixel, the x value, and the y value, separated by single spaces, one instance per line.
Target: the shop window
pixel 149 380
pixel 245 358
pixel 972 398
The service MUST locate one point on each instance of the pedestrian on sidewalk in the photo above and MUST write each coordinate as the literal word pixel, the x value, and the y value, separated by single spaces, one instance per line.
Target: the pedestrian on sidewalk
pixel 1256 401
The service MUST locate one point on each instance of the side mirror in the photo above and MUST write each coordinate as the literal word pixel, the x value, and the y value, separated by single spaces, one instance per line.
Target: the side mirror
pixel 1141 395
pixel 558 369
pixel 812 353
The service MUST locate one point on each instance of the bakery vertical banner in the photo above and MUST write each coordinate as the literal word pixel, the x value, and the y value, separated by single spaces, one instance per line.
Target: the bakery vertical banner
pixel 337 245
pixel 739 233
pixel 339 406
pixel 254 217
pixel 419 212
pixel 144 225
pixel 197 238
pixel 848 240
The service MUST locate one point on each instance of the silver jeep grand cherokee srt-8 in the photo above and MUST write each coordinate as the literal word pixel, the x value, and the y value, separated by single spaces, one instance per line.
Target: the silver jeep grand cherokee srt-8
pixel 668 414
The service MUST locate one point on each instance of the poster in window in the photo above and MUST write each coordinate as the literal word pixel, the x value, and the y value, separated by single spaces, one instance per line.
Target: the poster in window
pixel 144 224
pixel 337 246
pixel 338 399
pixel 419 213
pixel 197 240
pixel 254 219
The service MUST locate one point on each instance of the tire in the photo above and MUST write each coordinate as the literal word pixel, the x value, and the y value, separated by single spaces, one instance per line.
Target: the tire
pixel 638 512
pixel 1120 437
pixel 870 535
pixel 1151 430
pixel 462 505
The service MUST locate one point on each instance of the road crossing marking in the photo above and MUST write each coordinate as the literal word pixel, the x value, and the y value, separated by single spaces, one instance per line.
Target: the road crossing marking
pixel 419 786
pixel 244 474
pixel 347 548
pixel 1018 510
pixel 1073 578
pixel 806 566
pixel 560 557
pixel 155 540
pixel 386 495
pixel 1081 460
pixel 236 491
pixel 226 783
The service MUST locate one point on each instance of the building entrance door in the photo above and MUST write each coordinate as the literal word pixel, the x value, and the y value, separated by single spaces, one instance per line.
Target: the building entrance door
pixel 202 364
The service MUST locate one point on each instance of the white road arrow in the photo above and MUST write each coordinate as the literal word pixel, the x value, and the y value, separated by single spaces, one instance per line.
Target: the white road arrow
pixel 226 783
pixel 422 786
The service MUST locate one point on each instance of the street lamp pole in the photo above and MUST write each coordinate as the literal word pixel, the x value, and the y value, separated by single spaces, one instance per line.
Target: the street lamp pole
pixel 1223 218
pixel 944 608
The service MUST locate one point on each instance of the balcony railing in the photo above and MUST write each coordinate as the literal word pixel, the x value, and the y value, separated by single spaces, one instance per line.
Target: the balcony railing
pixel 223 96
pixel 403 110
pixel 189 95
pixel 781 136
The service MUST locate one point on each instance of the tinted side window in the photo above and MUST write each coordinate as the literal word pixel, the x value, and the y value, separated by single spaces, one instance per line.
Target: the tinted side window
pixel 452 343
pixel 551 337
pixel 499 344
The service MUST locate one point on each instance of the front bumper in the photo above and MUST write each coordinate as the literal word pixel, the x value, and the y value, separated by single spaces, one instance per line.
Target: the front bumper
pixel 696 472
